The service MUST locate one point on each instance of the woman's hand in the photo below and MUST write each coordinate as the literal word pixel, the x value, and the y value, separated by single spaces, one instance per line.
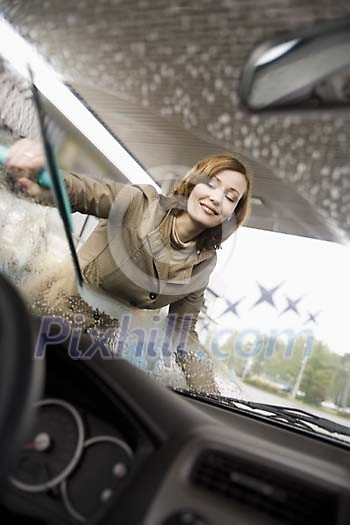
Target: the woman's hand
pixel 25 160
pixel 199 371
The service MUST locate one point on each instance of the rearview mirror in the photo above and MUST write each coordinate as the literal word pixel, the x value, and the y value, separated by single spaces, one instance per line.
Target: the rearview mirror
pixel 309 69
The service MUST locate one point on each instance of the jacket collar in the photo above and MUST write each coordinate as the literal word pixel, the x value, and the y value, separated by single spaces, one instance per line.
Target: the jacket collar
pixel 159 242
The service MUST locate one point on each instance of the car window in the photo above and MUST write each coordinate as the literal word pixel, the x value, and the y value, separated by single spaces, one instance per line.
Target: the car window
pixel 275 314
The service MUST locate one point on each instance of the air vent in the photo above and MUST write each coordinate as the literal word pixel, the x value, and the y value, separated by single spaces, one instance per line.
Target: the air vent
pixel 284 497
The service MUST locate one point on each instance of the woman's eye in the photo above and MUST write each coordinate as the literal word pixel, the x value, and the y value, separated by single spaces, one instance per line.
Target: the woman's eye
pixel 231 199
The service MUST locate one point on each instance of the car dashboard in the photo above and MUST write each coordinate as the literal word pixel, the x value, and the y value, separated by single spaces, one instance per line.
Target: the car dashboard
pixel 108 444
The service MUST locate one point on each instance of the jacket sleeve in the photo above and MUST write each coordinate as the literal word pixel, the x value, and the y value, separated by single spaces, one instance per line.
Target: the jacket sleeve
pixel 194 360
pixel 184 313
pixel 91 196
pixel 86 195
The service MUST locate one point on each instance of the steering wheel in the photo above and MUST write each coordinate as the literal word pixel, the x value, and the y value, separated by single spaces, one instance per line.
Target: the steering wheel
pixel 21 375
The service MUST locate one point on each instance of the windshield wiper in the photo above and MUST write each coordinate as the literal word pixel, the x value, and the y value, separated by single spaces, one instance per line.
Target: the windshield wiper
pixel 293 416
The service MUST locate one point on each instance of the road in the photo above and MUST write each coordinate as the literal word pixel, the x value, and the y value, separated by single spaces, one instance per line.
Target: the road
pixel 255 394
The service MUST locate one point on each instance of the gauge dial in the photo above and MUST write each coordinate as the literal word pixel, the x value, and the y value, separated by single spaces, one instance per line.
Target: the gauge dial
pixel 104 466
pixel 53 449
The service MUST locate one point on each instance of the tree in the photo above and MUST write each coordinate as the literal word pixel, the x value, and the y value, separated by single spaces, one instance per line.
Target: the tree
pixel 340 391
pixel 319 372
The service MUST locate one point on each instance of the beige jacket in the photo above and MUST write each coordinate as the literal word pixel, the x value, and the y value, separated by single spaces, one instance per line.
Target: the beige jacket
pixel 128 256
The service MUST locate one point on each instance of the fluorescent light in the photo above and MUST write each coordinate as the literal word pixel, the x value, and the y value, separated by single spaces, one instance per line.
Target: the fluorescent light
pixel 20 54
pixel 257 201
pixel 276 52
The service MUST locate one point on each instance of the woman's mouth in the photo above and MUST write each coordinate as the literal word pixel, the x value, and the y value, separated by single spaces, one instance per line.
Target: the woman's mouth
pixel 208 210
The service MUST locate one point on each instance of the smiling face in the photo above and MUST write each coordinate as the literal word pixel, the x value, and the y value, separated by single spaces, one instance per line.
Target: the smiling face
pixel 214 201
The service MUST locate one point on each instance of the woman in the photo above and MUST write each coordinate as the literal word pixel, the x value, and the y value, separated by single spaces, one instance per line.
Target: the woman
pixel 148 250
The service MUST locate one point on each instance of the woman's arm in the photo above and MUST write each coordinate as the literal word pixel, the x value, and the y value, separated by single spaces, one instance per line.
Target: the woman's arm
pixel 184 313
pixel 25 160
pixel 91 196
pixel 190 354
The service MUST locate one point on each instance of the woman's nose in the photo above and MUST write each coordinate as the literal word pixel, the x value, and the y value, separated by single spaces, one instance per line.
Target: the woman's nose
pixel 216 196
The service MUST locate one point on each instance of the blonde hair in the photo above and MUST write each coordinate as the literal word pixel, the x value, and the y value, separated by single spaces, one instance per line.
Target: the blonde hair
pixel 208 168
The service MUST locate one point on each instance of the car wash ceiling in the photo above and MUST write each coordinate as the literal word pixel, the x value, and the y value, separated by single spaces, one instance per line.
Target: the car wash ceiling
pixel 164 77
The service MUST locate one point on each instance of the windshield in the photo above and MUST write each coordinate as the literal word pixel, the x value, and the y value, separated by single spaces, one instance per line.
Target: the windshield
pixel 272 325
pixel 281 321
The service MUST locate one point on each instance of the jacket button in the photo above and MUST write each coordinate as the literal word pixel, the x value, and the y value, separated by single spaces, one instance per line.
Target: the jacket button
pixel 152 296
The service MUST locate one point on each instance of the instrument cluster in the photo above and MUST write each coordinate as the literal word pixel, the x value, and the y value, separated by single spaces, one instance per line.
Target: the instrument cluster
pixel 61 457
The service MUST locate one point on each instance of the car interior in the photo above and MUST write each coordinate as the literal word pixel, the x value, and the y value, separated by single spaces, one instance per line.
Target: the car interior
pixel 90 437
